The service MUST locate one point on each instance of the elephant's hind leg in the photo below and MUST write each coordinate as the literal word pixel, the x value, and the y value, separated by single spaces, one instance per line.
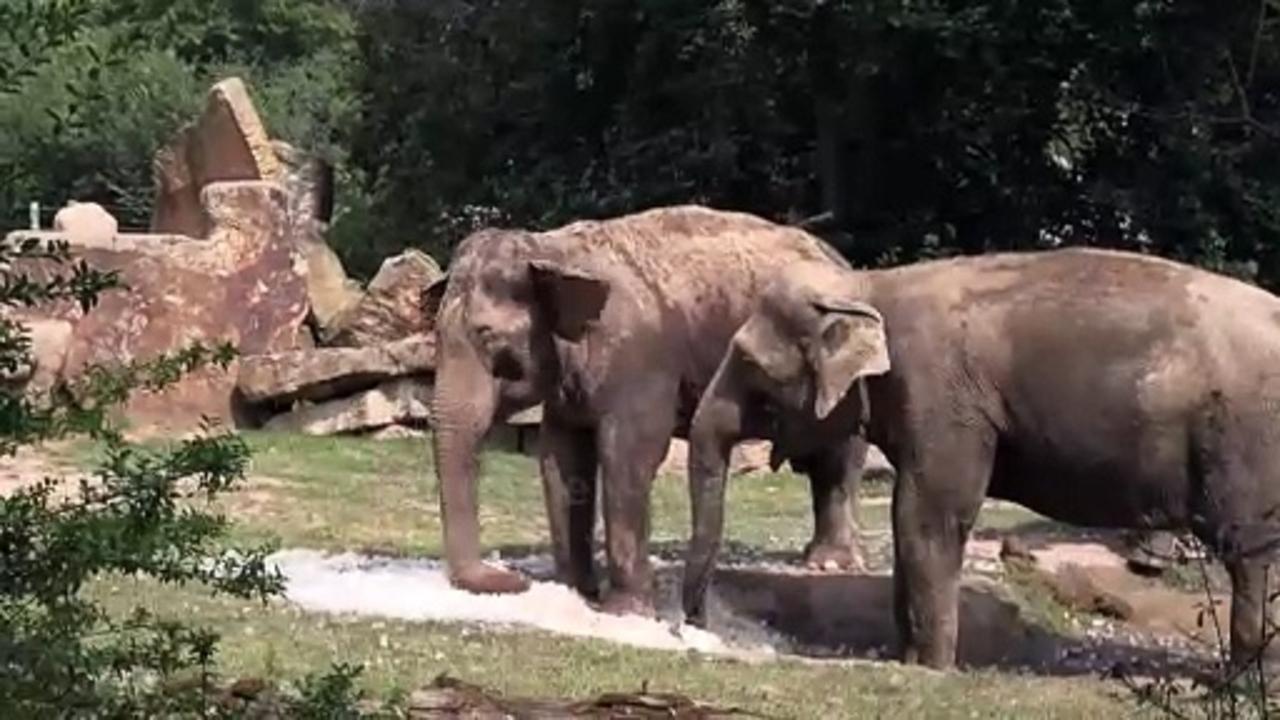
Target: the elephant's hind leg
pixel 1237 514
pixel 936 499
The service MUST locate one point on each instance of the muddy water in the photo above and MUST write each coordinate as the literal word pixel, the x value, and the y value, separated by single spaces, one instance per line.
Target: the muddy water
pixel 769 608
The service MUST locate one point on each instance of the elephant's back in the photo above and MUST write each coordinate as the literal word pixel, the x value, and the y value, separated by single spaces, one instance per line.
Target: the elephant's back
pixel 1115 326
pixel 689 256
pixel 692 275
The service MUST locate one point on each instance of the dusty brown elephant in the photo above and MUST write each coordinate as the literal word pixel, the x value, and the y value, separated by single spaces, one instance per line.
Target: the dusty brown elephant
pixel 1095 387
pixel 616 326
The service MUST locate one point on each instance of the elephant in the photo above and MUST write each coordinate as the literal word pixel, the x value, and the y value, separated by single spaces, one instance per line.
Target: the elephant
pixel 1099 388
pixel 616 326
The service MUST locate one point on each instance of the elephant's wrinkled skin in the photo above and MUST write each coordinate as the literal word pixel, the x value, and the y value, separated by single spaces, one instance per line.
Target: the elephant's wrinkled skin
pixel 1095 387
pixel 616 327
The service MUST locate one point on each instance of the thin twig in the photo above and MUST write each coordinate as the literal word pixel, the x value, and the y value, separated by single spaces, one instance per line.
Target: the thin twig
pixel 1241 94
pixel 1257 43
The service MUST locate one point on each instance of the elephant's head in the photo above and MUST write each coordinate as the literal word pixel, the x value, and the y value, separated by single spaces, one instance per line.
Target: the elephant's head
pixel 506 297
pixel 787 375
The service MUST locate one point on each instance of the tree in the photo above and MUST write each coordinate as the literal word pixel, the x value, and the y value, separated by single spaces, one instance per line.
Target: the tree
pixel 90 89
pixel 911 129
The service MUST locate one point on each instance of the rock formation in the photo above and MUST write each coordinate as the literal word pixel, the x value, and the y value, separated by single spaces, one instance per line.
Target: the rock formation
pixel 391 306
pixel 88 223
pixel 227 142
pixel 406 401
pixel 242 285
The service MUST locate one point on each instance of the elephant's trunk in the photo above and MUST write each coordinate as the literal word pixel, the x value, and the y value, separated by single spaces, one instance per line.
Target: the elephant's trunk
pixel 463 407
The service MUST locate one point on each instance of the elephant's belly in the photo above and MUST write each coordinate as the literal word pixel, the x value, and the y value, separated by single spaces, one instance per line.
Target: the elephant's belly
pixel 1117 492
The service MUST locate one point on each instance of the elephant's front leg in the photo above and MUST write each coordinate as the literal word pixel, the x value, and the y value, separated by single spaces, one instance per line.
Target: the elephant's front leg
pixel 631 449
pixel 834 477
pixel 568 461
pixel 936 500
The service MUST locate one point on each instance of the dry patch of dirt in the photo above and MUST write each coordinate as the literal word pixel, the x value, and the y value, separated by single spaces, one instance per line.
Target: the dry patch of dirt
pixel 30 466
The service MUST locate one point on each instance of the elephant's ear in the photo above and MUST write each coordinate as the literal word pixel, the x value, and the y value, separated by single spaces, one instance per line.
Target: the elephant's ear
pixel 431 297
pixel 851 344
pixel 571 297
pixel 759 343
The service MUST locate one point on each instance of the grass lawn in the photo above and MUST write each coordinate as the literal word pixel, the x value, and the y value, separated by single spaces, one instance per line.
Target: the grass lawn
pixel 346 493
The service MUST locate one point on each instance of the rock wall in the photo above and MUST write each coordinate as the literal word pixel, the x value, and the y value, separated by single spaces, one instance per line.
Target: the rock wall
pixel 244 284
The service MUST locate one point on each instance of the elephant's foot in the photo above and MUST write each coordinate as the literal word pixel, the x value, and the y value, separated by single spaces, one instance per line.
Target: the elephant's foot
pixel 481 577
pixel 622 603
pixel 833 557
pixel 584 584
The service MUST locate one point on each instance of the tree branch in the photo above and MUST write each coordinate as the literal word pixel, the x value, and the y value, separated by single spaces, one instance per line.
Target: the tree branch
pixel 1241 94
pixel 1257 43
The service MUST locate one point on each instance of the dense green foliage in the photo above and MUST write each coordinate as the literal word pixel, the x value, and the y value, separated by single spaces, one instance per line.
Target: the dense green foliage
pixel 922 127
pixel 906 129
pixel 90 89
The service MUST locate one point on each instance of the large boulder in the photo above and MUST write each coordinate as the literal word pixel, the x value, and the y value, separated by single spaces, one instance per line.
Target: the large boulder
pixel 86 222
pixel 243 284
pixel 309 182
pixel 50 340
pixel 406 401
pixel 227 142
pixel 281 379
pixel 752 456
pixel 331 293
pixel 748 457
pixel 392 304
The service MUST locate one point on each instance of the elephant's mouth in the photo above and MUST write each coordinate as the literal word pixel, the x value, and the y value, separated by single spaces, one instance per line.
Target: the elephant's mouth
pixel 507 366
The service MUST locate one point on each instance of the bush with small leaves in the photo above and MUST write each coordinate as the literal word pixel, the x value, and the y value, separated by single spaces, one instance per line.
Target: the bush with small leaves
pixel 143 512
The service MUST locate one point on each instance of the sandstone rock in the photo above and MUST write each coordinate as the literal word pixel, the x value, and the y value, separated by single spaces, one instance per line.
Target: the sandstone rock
pixel 405 400
pixel 398 432
pixel 87 222
pixel 748 457
pixel 241 285
pixel 308 180
pixel 330 291
pixel 324 373
pixel 50 340
pixel 309 183
pixel 227 142
pixel 530 416
pixel 753 456
pixel 876 465
pixel 391 307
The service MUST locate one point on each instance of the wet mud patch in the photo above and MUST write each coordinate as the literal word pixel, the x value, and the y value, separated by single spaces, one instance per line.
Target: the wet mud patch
pixel 764 610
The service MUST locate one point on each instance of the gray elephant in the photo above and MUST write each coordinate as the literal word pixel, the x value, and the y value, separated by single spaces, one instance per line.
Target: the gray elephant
pixel 1098 388
pixel 616 326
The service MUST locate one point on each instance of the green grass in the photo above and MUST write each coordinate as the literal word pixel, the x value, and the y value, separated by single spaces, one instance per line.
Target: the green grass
pixel 349 493
pixel 279 643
